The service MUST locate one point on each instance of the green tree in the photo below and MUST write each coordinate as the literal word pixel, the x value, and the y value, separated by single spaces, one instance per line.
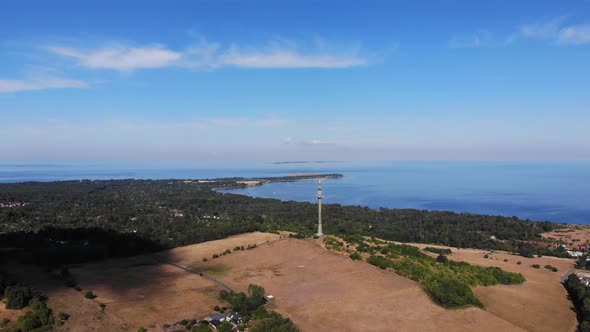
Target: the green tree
pixel 225 327
pixel 18 296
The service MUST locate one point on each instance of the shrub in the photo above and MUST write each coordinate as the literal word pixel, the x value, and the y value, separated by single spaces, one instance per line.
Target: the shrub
pixel 442 259
pixel 18 296
pixel 486 256
pixel 215 256
pixel 204 259
pixel 63 316
pixel 225 327
pixel 90 295
pixel 505 260
pixel 379 261
pixel 356 256
pixel 216 308
pixel 551 268
pixel 519 262
pixel 275 322
pixel 438 250
pixel 451 293
pixel 536 266
pixel 141 329
pixel 102 306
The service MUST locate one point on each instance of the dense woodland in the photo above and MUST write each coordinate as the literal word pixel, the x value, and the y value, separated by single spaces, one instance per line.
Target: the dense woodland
pixel 580 296
pixel 74 221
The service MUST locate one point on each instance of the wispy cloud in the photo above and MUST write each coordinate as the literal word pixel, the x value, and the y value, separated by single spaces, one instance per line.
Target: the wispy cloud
pixel 482 38
pixel 208 123
pixel 555 31
pixel 313 142
pixel 577 34
pixel 209 55
pixel 120 57
pixel 40 83
pixel 287 59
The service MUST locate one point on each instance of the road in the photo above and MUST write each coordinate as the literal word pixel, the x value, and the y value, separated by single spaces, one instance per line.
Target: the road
pixel 188 269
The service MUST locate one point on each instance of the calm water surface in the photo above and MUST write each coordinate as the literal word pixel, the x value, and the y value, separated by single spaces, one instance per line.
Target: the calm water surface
pixel 540 191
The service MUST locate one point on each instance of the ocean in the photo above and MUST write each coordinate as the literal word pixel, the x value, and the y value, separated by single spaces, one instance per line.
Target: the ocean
pixel 549 191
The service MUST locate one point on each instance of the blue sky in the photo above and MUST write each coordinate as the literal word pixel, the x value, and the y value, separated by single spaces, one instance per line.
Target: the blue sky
pixel 186 81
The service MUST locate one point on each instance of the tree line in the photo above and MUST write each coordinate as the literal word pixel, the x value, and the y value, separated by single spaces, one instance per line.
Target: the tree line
pixel 85 220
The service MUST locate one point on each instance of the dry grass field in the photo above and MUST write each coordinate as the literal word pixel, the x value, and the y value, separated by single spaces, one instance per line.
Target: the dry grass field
pixel 540 304
pixel 572 234
pixel 319 289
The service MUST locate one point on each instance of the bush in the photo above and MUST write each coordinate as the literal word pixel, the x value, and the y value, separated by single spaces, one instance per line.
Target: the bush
pixel 18 296
pixel 141 329
pixel 225 327
pixel 486 256
pixel 379 261
pixel 204 259
pixel 216 308
pixel 536 266
pixel 38 319
pixel 551 268
pixel 90 295
pixel 519 262
pixel 215 256
pixel 442 259
pixel 505 260
pixel 356 256
pixel 451 293
pixel 275 322
pixel 438 250
pixel 63 316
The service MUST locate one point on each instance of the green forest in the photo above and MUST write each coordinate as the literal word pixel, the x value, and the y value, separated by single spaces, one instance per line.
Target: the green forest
pixel 75 221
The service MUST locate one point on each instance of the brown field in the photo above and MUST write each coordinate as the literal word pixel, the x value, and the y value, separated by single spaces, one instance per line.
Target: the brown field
pixel 318 289
pixel 143 292
pixel 571 234
pixel 540 304
pixel 324 290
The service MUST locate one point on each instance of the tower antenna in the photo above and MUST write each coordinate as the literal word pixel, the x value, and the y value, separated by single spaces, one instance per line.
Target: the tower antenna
pixel 320 196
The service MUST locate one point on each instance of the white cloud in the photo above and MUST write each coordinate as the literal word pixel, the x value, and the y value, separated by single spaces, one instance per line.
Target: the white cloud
pixel 555 31
pixel 210 55
pixel 313 142
pixel 579 34
pixel 40 83
pixel 287 59
pixel 481 38
pixel 122 58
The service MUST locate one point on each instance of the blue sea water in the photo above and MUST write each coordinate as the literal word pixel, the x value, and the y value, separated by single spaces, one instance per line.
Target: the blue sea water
pixel 550 191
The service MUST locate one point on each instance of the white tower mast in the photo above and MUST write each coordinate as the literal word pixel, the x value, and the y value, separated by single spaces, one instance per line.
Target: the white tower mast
pixel 320 196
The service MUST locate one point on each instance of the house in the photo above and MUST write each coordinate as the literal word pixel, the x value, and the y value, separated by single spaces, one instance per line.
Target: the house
pixel 584 278
pixel 234 317
pixel 216 320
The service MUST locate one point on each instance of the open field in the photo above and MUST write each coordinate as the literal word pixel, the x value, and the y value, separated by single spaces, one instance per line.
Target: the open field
pixel 318 289
pixel 572 234
pixel 540 304
pixel 144 292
